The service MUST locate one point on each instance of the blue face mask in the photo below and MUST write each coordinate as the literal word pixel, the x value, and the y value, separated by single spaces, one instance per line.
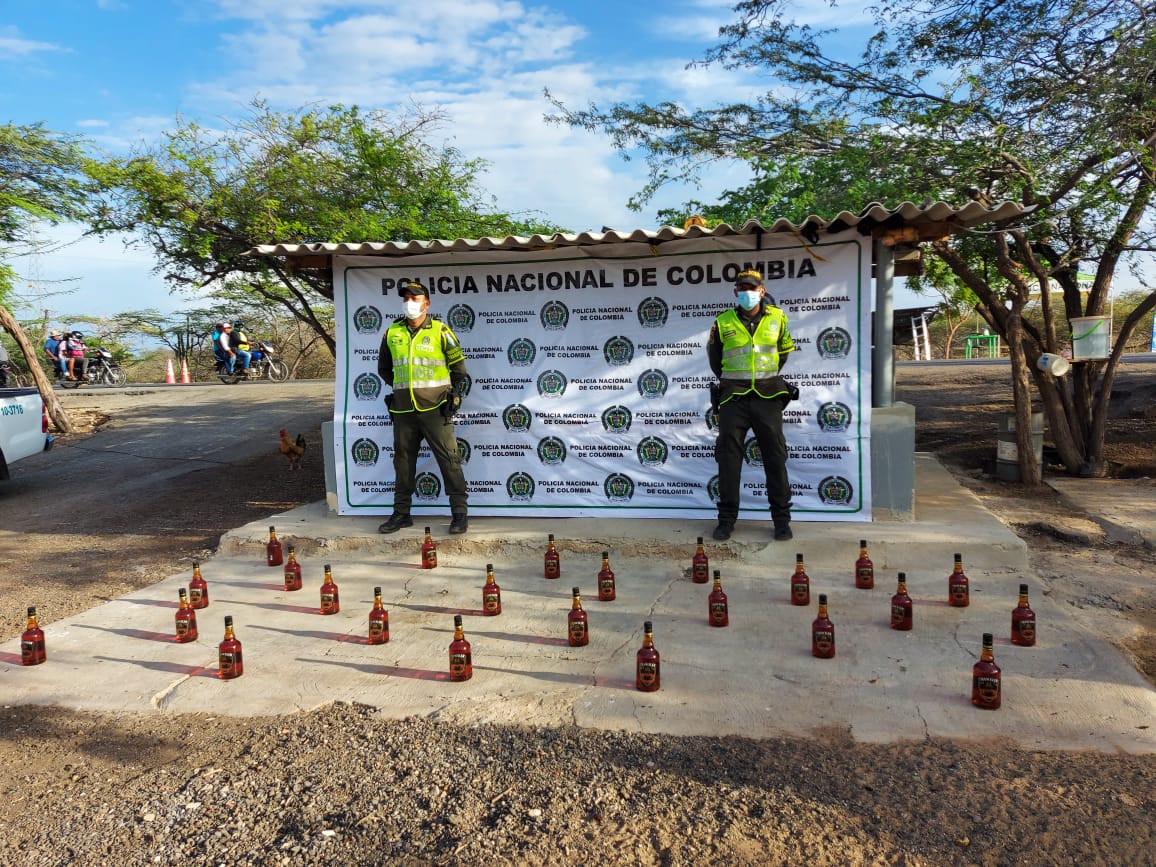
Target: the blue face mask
pixel 749 299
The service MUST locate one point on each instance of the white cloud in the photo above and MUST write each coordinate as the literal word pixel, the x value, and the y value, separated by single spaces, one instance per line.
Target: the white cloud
pixel 13 46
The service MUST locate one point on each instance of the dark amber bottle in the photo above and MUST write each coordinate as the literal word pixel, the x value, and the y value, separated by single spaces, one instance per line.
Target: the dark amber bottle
pixel 429 552
pixel 800 584
pixel 552 565
pixel 230 663
pixel 273 549
pixel 198 589
pixel 378 620
pixel 32 651
pixel 606 589
pixel 864 568
pixel 647 671
pixel 461 657
pixel 986 686
pixel 716 604
pixel 822 632
pixel 292 570
pixel 958 589
pixel 1023 622
pixel 186 619
pixel 330 597
pixel 699 565
pixel 577 624
pixel 491 593
pixel 901 607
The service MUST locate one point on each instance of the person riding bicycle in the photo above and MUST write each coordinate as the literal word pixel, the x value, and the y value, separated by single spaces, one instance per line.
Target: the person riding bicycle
pixel 71 351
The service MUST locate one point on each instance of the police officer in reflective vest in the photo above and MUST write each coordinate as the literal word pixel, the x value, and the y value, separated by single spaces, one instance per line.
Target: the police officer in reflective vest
pixel 747 348
pixel 421 359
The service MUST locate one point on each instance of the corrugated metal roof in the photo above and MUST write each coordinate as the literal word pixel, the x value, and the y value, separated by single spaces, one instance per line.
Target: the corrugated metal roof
pixel 870 218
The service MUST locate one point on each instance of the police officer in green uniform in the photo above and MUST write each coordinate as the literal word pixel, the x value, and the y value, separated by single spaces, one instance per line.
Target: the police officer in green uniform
pixel 747 348
pixel 421 359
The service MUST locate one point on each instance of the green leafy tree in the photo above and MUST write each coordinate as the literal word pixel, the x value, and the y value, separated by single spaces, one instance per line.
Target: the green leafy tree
pixel 42 179
pixel 206 196
pixel 1047 102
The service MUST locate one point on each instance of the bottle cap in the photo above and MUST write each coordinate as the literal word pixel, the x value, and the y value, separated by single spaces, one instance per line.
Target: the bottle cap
pixel 700 540
pixel 196 564
pixel 903 577
pixel 271 528
pixel 605 555
pixel 717 574
pixel 290 549
pixel 376 591
pixel 489 567
pixel 574 590
pixel 228 620
pixel 427 531
pixel 1023 588
pixel 798 558
pixel 958 557
pixel 647 627
pixel 862 543
pixel 457 620
pixel 987 638
pixel 182 593
pixel 31 610
pixel 327 570
pixel 551 537
pixel 822 598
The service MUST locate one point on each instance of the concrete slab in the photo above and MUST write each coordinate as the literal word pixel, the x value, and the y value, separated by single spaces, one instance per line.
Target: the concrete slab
pixel 754 678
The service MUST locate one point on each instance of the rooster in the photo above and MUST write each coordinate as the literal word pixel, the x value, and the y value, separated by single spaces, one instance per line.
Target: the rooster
pixel 293 450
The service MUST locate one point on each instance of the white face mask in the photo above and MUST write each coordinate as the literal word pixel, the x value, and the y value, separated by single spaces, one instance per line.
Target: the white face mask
pixel 749 299
pixel 412 309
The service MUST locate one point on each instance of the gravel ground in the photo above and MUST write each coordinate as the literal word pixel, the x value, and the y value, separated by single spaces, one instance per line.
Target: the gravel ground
pixel 340 786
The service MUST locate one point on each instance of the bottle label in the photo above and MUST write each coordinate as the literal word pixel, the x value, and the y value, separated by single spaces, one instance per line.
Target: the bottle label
pixel 182 628
pixel 987 687
pixel 577 631
pixel 226 662
pixel 699 572
pixel 195 595
pixel 31 652
pixel 491 602
pixel 292 579
pixel 430 559
pixel 865 576
pixel 718 612
pixel 801 593
pixel 328 602
pixel 647 673
pixel 553 569
pixel 376 629
pixel 824 640
pixel 606 588
pixel 957 590
pixel 900 614
pixel 459 664
pixel 1026 630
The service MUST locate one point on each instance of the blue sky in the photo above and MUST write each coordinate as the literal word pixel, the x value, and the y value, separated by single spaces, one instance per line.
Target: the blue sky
pixel 119 71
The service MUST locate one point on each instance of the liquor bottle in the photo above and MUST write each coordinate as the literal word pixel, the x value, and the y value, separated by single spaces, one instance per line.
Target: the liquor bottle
pixel 606 589
pixel 1023 622
pixel 292 570
pixel 552 567
pixel 577 624
pixel 186 619
pixel 330 598
pixel 864 568
pixel 198 589
pixel 699 565
pixel 716 606
pixel 429 552
pixel 378 620
pixel 901 607
pixel 32 650
pixel 958 590
pixel 800 584
pixel 461 658
pixel 273 549
pixel 230 664
pixel 822 632
pixel 647 671
pixel 491 593
pixel 986 691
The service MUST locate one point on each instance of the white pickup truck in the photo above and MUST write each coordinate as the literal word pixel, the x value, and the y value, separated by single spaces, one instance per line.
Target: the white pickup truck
pixel 23 426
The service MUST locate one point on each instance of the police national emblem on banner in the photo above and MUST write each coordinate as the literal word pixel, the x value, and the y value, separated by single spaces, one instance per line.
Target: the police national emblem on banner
pixel 587 376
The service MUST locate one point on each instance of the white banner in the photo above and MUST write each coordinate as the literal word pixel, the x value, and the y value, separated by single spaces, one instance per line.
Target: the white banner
pixel 588 392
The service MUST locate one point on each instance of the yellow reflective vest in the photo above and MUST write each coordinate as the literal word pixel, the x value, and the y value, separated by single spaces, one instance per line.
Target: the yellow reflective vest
pixel 750 362
pixel 421 364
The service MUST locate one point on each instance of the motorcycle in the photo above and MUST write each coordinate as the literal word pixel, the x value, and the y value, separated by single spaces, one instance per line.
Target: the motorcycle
pixel 101 370
pixel 263 365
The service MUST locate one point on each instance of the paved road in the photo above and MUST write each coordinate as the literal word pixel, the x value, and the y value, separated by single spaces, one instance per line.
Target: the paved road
pixel 158 433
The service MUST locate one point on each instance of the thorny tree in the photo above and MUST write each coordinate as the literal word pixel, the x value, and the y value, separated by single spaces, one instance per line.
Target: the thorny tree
pixel 1051 103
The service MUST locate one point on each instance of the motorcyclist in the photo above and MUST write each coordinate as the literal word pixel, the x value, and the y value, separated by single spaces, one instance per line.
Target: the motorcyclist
pixel 72 353
pixel 241 345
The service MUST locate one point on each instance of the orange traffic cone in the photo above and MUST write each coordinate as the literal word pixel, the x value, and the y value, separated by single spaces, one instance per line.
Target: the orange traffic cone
pixel 170 379
pixel 185 371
